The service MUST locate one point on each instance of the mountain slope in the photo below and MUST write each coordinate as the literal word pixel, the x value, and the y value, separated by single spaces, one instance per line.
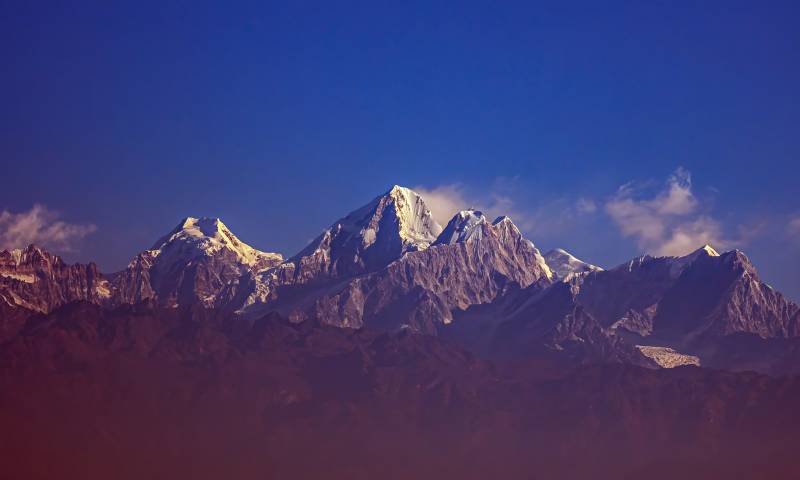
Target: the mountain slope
pixel 423 288
pixel 722 295
pixel 367 239
pixel 198 262
pixel 682 298
pixel 553 322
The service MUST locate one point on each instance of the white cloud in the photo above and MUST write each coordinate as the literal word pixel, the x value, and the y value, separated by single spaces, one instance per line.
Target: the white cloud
pixel 40 226
pixel 540 218
pixel 668 223
pixel 585 205
pixel 793 227
pixel 678 199
pixel 446 200
pixel 687 237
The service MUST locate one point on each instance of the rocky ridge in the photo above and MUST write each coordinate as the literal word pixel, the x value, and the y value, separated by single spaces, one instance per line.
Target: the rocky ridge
pixel 39 281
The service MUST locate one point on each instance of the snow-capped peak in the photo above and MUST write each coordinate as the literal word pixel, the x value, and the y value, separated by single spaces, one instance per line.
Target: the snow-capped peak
pixel 400 212
pixel 370 237
pixel 208 236
pixel 466 225
pixel 565 265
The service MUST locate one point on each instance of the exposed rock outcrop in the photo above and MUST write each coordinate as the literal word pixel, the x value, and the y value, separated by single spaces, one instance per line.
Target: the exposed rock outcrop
pixel 39 281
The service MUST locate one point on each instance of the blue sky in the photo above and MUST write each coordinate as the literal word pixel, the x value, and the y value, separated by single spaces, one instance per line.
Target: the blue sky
pixel 607 128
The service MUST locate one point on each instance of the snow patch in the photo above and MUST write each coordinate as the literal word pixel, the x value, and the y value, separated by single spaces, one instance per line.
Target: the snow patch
pixel 417 225
pixel 667 357
pixel 565 265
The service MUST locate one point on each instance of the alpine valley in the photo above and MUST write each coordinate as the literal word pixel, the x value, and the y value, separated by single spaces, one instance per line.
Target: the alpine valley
pixel 450 351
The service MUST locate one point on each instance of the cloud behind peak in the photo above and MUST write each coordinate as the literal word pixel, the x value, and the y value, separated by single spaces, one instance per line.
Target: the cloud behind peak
pixel 40 226
pixel 667 222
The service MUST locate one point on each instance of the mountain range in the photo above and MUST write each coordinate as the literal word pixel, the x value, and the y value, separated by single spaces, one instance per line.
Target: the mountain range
pixel 476 281
pixel 394 347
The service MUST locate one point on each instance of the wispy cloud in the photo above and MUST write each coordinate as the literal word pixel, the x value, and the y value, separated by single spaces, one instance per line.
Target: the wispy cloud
pixel 539 218
pixel 669 222
pixel 446 200
pixel 793 226
pixel 585 206
pixel 40 226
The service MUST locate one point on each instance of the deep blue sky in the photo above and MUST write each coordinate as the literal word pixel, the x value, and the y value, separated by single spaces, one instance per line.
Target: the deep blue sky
pixel 281 118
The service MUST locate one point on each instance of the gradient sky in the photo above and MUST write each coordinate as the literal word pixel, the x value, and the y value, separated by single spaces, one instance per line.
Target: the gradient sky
pixel 608 129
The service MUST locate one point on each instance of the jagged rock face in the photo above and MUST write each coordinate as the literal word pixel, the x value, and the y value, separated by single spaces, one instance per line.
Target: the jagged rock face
pixel 685 298
pixel 721 295
pixel 564 265
pixel 39 281
pixel 423 288
pixel 199 262
pixel 466 225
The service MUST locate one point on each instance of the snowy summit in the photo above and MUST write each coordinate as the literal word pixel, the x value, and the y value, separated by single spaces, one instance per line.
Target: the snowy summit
pixel 565 265
pixel 208 236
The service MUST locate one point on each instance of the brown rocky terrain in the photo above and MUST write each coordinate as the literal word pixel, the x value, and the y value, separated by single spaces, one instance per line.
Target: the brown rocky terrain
pixel 148 392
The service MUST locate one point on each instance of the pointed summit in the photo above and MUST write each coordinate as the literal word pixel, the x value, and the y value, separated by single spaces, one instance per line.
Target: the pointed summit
pixel 199 261
pixel 370 237
pixel 207 236
pixel 417 226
